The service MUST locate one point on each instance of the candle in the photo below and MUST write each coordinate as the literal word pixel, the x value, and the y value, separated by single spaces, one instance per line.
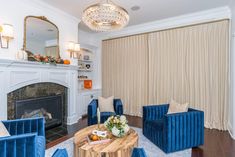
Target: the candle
pixel 98 115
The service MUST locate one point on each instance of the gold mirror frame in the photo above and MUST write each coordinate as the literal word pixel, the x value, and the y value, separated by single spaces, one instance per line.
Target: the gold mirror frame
pixel 44 19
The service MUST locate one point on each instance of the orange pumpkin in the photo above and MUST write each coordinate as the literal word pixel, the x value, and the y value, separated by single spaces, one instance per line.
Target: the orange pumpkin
pixel 66 61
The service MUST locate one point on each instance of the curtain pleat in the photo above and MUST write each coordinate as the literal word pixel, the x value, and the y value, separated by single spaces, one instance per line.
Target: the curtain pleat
pixel 191 65
pixel 125 71
pixel 188 64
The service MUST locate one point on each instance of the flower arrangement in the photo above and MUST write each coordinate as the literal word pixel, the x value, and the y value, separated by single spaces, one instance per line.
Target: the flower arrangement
pixel 45 59
pixel 117 125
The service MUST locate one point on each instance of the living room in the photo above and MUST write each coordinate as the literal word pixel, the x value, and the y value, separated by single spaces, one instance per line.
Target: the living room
pixel 117 78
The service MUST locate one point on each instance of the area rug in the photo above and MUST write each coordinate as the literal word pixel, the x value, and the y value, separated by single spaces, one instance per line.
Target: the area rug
pixel 150 148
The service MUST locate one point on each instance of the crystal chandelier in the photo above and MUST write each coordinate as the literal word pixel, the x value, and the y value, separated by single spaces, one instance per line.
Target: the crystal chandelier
pixel 105 16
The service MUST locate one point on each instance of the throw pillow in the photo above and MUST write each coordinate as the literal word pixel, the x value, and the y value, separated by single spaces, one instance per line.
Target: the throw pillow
pixel 3 130
pixel 106 104
pixel 175 107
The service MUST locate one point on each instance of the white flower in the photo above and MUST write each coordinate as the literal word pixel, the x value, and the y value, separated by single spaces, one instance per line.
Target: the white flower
pixel 123 119
pixel 106 123
pixel 126 128
pixel 115 131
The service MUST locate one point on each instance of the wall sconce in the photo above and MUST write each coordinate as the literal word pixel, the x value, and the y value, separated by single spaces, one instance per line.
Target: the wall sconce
pixel 6 34
pixel 70 48
pixel 73 49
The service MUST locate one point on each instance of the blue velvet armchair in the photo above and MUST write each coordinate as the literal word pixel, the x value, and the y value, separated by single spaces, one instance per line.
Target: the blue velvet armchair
pixel 27 138
pixel 92 109
pixel 173 132
pixel 138 152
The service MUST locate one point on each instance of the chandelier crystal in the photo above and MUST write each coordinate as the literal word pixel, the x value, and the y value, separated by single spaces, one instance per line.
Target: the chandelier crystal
pixel 105 16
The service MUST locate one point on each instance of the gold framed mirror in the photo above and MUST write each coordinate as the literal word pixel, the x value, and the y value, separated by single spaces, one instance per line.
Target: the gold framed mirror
pixel 41 37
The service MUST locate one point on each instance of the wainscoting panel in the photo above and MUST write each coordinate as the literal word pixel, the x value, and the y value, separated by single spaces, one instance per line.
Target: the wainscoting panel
pixel 21 78
pixel 59 77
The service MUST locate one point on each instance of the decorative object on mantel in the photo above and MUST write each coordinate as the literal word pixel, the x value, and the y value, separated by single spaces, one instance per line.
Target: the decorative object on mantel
pixel 21 55
pixel 66 61
pixel 73 49
pixel 117 125
pixel 6 34
pixel 105 16
pixel 45 59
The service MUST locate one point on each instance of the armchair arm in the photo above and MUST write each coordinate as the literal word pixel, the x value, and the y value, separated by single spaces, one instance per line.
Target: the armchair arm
pixel 183 130
pixel 154 112
pixel 118 107
pixel 92 109
pixel 16 145
pixel 23 126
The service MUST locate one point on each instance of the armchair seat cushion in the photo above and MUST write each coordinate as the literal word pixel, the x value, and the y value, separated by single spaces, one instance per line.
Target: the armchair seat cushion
pixel 155 124
pixel 41 145
pixel 105 115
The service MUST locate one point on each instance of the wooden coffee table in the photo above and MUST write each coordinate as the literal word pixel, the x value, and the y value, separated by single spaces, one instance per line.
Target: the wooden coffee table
pixel 117 147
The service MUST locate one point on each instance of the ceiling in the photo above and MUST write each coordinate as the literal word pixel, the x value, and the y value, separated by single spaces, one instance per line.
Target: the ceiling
pixel 150 10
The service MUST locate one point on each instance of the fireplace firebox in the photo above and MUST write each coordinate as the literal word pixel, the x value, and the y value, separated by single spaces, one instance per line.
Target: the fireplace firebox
pixel 44 99
pixel 49 107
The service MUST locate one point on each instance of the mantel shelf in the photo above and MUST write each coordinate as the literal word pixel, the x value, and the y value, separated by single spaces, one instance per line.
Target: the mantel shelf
pixel 30 64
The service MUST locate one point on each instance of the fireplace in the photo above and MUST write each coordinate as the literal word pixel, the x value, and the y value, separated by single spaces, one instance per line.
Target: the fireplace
pixel 42 99
pixel 48 107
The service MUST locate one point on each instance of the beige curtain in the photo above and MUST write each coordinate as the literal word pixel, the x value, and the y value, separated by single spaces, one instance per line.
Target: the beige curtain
pixel 191 64
pixel 125 71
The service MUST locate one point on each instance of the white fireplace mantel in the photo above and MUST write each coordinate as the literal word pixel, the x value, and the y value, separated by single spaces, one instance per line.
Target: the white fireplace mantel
pixel 16 74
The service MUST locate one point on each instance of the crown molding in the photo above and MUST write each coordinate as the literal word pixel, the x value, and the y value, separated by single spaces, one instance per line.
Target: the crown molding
pixel 40 5
pixel 183 20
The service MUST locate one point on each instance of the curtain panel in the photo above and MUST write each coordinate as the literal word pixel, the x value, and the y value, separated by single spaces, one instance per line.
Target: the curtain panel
pixel 188 64
pixel 191 64
pixel 125 71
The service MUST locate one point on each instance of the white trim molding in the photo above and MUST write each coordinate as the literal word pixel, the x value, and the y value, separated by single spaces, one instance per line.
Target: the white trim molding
pixel 183 20
pixel 17 74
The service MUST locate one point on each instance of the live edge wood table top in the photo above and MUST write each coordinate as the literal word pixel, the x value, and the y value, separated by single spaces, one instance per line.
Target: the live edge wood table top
pixel 117 147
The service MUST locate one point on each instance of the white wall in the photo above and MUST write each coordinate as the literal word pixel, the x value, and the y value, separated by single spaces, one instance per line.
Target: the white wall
pixel 14 12
pixel 92 41
pixel 232 60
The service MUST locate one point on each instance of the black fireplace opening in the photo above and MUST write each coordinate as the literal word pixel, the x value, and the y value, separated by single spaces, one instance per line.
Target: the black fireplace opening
pixel 48 107
pixel 45 99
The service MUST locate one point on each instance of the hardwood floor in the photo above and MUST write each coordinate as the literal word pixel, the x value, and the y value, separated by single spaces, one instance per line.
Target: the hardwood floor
pixel 217 143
